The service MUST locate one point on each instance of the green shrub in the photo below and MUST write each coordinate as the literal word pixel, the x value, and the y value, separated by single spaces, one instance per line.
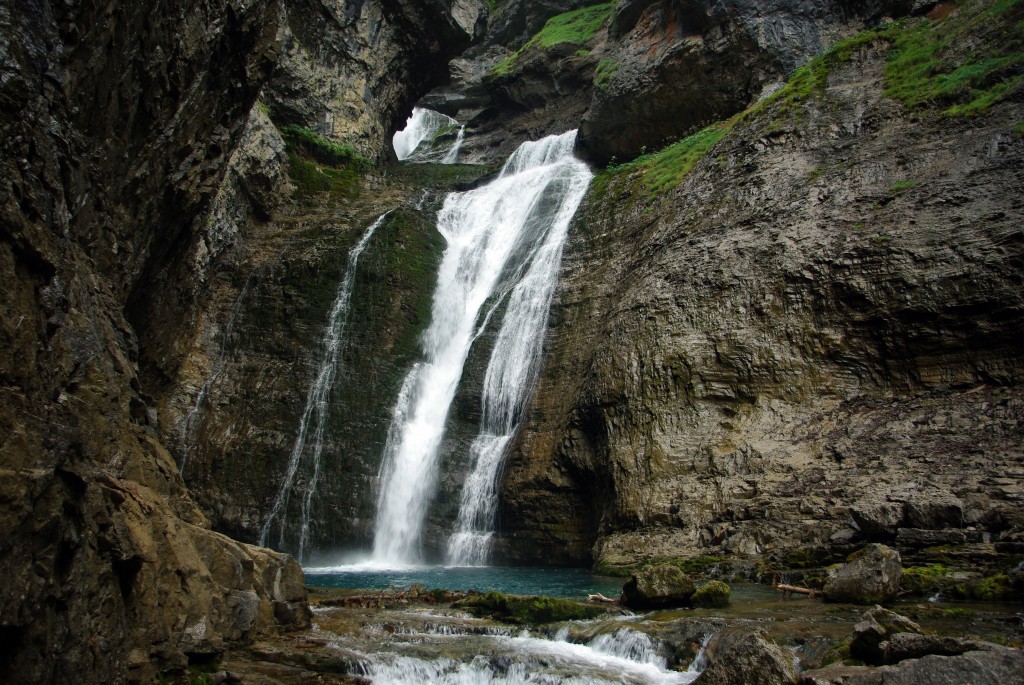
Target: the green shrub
pixel 604 72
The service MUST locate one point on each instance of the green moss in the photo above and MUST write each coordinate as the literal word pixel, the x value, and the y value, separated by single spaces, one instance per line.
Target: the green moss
pixel 902 185
pixel 311 178
pixel 995 588
pixel 663 170
pixel 322 150
pixel 582 52
pixel 713 594
pixel 927 69
pixel 575 28
pixel 924 579
pixel 604 72
pixel 527 610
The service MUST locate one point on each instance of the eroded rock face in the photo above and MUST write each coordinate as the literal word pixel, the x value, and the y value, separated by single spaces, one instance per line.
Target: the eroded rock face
pixel 681 65
pixel 736 363
pixel 109 150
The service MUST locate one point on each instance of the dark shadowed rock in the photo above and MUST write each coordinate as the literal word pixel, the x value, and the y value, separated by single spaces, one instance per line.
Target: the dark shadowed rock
pixel 877 518
pixel 995 666
pixel 877 626
pixel 872 576
pixel 934 509
pixel 737 656
pixel 661 585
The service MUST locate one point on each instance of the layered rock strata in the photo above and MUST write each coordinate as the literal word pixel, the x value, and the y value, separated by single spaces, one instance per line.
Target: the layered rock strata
pixel 811 342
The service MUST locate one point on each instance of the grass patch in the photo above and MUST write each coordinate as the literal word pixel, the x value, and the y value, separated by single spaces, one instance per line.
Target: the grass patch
pixel 929 69
pixel 318 165
pixel 902 185
pixel 663 170
pixel 575 28
pixel 604 72
pixel 527 610
pixel 322 150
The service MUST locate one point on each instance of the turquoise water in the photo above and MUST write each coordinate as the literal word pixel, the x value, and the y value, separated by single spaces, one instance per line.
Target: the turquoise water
pixel 556 582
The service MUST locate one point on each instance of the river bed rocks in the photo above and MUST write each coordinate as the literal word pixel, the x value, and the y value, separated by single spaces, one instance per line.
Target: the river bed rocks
pixel 871 575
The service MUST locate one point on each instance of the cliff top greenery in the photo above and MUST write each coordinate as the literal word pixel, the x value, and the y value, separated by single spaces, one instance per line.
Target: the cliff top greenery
pixel 959 63
pixel 318 165
pixel 323 150
pixel 575 28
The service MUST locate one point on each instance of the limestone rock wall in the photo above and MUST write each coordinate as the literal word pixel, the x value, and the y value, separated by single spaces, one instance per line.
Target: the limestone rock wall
pixel 818 327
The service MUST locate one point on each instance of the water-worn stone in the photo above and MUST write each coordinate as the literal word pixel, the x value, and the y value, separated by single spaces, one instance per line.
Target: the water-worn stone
pixel 995 666
pixel 752 658
pixel 657 585
pixel 877 626
pixel 872 576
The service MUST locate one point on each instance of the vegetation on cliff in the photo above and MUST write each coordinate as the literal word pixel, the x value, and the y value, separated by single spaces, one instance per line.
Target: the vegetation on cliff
pixel 574 28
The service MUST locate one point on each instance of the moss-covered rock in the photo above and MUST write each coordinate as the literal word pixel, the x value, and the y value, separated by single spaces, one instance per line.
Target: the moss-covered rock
pixel 713 594
pixel 872 576
pixel 656 586
pixel 527 610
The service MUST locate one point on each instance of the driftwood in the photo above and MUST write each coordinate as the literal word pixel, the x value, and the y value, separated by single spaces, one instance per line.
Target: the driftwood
pixel 788 590
pixel 598 597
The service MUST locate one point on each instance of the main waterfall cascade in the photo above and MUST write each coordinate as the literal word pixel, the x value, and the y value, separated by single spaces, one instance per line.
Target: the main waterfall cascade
pixel 316 410
pixel 504 247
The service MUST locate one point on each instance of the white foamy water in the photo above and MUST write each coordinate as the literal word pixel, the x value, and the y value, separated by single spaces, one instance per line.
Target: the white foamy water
pixel 414 142
pixel 504 243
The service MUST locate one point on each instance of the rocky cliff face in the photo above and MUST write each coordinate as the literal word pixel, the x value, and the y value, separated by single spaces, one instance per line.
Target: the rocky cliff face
pixel 809 338
pixel 119 123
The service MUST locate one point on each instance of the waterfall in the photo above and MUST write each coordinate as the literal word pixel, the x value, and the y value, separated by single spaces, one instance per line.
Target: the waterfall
pixel 415 140
pixel 316 410
pixel 504 244
pixel 191 420
pixel 453 155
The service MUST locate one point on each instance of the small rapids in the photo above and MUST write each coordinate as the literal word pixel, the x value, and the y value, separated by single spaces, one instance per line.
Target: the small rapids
pixel 427 137
pixel 625 656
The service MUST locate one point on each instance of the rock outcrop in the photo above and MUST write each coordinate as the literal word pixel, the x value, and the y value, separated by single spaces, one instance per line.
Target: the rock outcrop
pixel 119 217
pixel 825 308
pixel 739 656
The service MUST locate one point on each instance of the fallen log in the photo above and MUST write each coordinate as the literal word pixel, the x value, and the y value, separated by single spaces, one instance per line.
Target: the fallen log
pixel 788 590
pixel 598 597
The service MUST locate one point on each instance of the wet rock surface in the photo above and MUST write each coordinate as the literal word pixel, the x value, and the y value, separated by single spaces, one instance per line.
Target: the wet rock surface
pixel 738 656
pixel 749 366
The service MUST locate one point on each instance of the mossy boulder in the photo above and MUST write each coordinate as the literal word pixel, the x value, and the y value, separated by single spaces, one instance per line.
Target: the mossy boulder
pixel 713 594
pixel 527 610
pixel 658 586
pixel 871 576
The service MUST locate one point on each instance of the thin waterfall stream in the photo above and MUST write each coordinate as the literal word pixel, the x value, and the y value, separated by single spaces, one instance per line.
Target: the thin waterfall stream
pixel 504 244
pixel 316 410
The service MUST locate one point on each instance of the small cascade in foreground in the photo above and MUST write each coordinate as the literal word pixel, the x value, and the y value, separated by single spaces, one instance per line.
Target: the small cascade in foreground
pixel 190 422
pixel 504 244
pixel 424 138
pixel 316 410
pixel 625 656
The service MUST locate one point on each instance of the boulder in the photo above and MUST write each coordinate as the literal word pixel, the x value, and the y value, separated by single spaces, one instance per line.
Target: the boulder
pixel 657 586
pixel 738 656
pixel 903 646
pixel 713 594
pixel 877 626
pixel 994 666
pixel 871 576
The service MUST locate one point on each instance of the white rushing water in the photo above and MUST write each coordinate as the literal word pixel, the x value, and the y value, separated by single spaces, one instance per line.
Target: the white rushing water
pixel 420 130
pixel 190 422
pixel 315 413
pixel 504 246
pixel 625 657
